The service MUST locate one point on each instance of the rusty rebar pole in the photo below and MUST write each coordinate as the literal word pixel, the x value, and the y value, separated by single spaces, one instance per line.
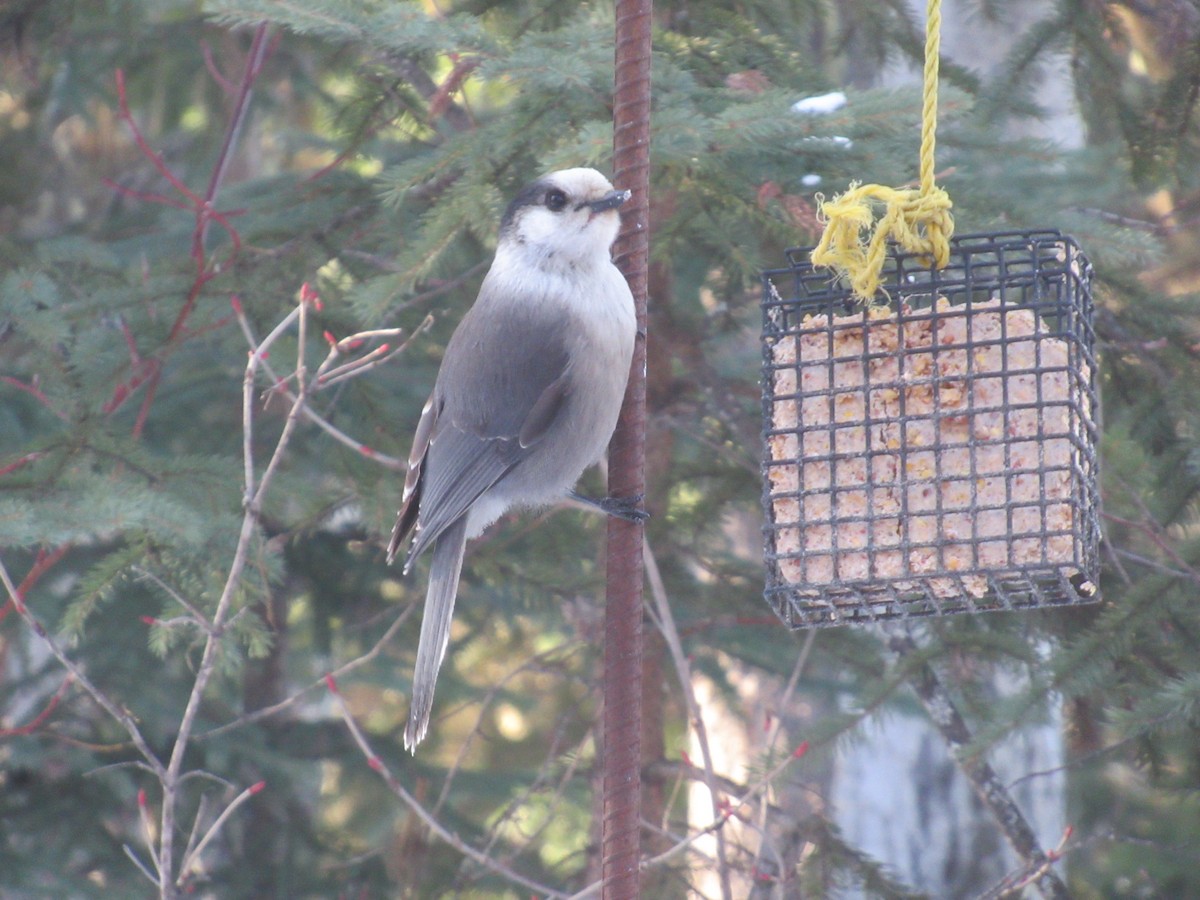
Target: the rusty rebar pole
pixel 620 834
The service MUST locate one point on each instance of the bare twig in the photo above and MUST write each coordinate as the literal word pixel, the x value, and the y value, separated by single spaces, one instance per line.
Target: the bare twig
pixel 147 827
pixel 983 778
pixel 666 624
pixel 267 711
pixel 1014 883
pixel 37 721
pixel 394 785
pixel 245 90
pixel 141 866
pixel 105 702
pixel 772 736
pixel 37 393
pixel 193 856
pixel 563 649
pixel 253 494
pixel 195 613
pixel 307 411
pixel 194 835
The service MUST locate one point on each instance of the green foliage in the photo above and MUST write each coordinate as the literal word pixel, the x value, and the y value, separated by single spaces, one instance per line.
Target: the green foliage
pixel 121 422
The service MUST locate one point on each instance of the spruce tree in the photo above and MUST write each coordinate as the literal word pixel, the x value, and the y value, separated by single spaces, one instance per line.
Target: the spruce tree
pixel 179 178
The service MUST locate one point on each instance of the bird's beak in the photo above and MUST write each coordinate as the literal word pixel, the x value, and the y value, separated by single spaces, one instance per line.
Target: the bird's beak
pixel 611 200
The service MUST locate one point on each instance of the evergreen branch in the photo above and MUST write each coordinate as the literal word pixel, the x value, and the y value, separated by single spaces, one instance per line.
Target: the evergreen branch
pixel 449 837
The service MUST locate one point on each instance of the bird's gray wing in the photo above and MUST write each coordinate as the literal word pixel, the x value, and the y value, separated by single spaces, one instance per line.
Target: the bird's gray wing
pixel 500 389
pixel 410 502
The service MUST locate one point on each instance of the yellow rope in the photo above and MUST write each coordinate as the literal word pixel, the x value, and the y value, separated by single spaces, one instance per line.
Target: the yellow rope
pixel 855 242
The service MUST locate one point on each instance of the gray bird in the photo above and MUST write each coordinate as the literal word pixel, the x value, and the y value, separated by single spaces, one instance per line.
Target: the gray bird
pixel 527 396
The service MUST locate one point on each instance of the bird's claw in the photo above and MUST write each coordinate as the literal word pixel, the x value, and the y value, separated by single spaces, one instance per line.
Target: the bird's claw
pixel 626 508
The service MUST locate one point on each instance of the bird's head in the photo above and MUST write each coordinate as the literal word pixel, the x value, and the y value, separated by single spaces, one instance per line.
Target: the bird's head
pixel 564 218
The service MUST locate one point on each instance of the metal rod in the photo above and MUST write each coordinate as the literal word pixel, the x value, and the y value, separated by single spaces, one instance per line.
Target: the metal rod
pixel 620 832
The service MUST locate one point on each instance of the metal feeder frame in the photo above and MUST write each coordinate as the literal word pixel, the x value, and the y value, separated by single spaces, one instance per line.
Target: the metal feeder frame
pixel 995 274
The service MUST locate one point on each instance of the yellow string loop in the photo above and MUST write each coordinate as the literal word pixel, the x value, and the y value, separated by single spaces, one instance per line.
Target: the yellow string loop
pixel 918 219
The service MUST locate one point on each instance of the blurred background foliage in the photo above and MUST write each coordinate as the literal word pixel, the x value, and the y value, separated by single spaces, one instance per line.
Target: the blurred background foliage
pixel 381 143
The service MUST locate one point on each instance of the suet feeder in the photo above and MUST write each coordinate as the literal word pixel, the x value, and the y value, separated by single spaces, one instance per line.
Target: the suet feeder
pixel 934 451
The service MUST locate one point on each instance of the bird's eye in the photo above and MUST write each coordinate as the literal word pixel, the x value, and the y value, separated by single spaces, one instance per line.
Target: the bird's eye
pixel 556 200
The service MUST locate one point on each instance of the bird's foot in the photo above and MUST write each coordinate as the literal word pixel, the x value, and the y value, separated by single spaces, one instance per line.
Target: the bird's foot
pixel 627 508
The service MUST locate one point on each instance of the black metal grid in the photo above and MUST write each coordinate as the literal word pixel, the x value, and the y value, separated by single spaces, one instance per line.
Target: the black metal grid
pixel 937 453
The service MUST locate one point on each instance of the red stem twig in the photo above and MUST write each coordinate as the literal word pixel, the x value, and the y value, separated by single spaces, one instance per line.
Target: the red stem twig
pixel 20 462
pixel 42 563
pixel 34 391
pixel 37 721
pixel 149 372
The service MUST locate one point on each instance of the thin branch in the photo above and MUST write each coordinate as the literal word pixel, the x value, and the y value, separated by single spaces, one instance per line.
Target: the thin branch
pixel 728 810
pixel 267 711
pixel 193 857
pixel 983 778
pixel 34 391
pixel 566 650
pixel 307 411
pixel 20 462
pixel 217 75
pixel 194 834
pixel 254 64
pixel 141 866
pixel 37 721
pixel 253 498
pixel 449 837
pixel 1014 883
pixel 670 633
pixel 147 827
pixel 147 575
pixel 1153 530
pixel 772 736
pixel 42 563
pixel 108 705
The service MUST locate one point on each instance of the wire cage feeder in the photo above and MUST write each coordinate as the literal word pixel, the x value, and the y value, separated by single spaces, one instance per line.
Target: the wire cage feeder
pixel 936 452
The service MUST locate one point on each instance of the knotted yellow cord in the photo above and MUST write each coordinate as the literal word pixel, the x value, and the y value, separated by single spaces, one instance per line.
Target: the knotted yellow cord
pixel 855 243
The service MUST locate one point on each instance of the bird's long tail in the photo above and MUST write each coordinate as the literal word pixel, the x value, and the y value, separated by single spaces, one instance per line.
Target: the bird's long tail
pixel 435 628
